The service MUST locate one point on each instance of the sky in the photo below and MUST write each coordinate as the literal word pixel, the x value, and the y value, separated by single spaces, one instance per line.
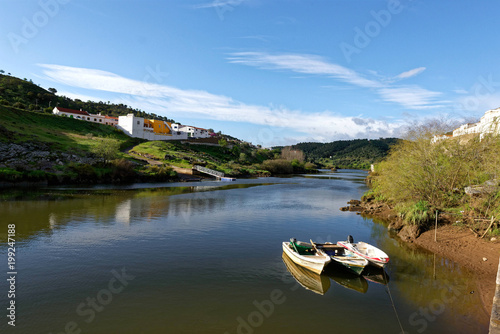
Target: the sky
pixel 271 72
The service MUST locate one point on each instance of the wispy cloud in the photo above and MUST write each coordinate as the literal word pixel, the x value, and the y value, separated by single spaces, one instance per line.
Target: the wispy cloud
pixel 308 64
pixel 175 102
pixel 218 4
pixel 412 97
pixel 410 73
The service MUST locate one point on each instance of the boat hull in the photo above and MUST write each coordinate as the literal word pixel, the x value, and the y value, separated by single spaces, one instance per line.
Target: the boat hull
pixel 314 263
pixel 374 255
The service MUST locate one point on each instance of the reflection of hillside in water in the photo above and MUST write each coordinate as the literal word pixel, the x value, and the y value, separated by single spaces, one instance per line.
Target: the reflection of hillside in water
pixel 41 217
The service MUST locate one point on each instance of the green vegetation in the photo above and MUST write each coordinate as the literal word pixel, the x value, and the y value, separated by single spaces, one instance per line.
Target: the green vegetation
pixel 419 177
pixel 357 154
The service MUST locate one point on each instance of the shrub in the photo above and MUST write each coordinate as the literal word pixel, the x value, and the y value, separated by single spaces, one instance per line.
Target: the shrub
pixel 278 166
pixel 419 213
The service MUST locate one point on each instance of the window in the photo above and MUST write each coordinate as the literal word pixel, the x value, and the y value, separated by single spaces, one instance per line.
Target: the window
pixel 100 120
pixel 88 119
pixel 94 119
pixel 138 122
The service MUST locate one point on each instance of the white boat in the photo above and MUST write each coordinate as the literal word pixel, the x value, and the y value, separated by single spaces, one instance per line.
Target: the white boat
pixel 342 256
pixel 305 255
pixel 367 251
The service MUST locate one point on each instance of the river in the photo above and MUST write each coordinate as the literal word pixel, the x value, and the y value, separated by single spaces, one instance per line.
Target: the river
pixel 206 257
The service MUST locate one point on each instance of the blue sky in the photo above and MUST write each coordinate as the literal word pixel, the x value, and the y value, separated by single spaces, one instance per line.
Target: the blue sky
pixel 273 72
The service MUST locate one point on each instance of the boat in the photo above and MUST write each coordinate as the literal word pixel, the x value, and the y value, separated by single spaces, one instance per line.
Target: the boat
pixel 305 255
pixel 317 283
pixel 340 255
pixel 376 256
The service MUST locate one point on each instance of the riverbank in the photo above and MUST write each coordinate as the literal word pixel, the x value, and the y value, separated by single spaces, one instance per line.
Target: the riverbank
pixel 457 243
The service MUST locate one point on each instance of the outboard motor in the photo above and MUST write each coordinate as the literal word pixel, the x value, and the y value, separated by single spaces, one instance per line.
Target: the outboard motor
pixel 293 240
pixel 350 239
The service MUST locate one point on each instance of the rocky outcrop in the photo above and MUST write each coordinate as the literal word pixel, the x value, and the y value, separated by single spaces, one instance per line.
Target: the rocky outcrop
pixel 37 156
pixel 371 208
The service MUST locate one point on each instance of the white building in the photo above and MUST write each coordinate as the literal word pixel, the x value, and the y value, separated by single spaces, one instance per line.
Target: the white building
pixel 77 114
pixel 487 124
pixel 85 116
pixel 139 127
pixel 194 132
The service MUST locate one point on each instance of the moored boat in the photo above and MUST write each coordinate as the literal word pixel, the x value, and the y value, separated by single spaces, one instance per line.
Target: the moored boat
pixel 339 254
pixel 365 250
pixel 305 255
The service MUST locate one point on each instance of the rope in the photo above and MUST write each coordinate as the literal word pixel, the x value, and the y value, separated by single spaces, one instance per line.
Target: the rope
pixel 392 302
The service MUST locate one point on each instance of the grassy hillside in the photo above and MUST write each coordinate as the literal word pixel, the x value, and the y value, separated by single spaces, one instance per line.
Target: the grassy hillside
pixel 358 153
pixel 61 133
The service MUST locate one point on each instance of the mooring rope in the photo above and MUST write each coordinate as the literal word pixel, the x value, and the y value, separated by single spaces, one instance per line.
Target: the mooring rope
pixel 392 302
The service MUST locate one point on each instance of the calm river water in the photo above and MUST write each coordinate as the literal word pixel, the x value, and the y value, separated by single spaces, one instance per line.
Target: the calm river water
pixel 207 258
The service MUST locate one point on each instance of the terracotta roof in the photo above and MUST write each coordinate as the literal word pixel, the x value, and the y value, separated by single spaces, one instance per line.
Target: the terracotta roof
pixel 71 111
pixel 115 118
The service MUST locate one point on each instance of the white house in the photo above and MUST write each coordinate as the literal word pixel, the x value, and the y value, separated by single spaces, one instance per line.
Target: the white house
pixel 149 129
pixel 194 132
pixel 77 114
pixel 489 123
pixel 85 116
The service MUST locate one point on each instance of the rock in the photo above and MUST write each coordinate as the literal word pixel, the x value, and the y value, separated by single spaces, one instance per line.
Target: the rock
pixel 344 208
pixel 395 226
pixel 409 232
pixel 485 259
pixel 355 208
pixel 493 239
pixel 354 202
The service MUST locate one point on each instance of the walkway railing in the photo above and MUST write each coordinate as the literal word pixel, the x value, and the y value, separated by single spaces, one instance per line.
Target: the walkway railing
pixel 208 171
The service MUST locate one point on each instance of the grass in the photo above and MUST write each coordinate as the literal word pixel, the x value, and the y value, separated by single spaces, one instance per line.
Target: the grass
pixel 62 133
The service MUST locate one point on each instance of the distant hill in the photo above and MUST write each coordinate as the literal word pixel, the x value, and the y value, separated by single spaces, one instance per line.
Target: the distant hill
pixel 24 94
pixel 357 153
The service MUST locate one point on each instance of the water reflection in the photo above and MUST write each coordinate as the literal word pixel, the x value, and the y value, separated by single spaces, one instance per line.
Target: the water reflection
pixel 309 280
pixel 70 240
pixel 321 283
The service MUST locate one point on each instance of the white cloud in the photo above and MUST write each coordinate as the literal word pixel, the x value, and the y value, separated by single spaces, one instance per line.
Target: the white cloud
pixel 307 64
pixel 174 102
pixel 219 4
pixel 411 97
pixel 410 73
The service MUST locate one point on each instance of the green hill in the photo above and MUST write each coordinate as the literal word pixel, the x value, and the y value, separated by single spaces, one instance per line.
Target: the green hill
pixel 357 153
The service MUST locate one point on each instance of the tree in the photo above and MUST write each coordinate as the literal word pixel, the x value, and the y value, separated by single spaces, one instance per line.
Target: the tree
pixel 52 90
pixel 106 149
pixel 2 71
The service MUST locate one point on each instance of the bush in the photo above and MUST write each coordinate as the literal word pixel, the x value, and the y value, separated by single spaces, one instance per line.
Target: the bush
pixel 122 170
pixel 419 213
pixel 278 166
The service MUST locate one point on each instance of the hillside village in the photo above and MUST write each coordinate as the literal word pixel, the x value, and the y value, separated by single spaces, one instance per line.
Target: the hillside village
pixel 488 124
pixel 139 127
